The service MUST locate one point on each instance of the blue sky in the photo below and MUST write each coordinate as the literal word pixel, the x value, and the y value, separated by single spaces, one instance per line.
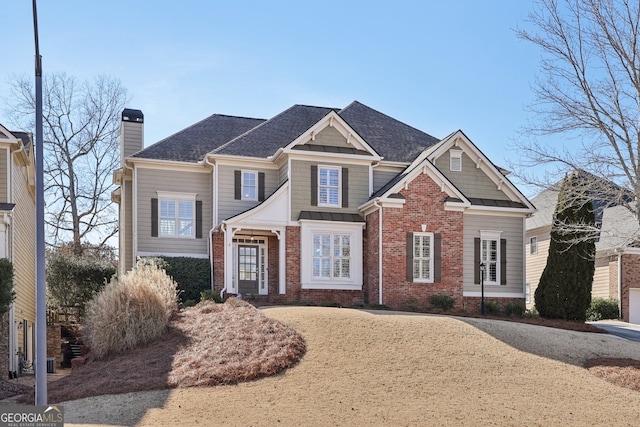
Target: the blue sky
pixel 435 65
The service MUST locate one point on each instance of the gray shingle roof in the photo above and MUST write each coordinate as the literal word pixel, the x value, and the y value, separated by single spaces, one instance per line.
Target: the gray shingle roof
pixel 192 143
pixel 392 139
pixel 330 216
pixel 275 133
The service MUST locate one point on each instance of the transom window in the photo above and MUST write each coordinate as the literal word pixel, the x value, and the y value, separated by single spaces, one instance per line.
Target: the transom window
pixel 177 215
pixel 249 185
pixel 329 186
pixel 331 256
pixel 423 257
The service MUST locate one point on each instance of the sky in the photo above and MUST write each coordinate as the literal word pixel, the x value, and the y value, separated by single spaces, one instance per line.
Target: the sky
pixel 436 65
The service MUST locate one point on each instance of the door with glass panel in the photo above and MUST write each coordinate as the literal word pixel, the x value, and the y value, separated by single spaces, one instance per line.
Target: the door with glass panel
pixel 248 268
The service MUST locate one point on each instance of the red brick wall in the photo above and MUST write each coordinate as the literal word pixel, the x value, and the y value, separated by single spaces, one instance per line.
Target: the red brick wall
pixel 424 205
pixel 371 272
pixel 630 279
pixel 218 260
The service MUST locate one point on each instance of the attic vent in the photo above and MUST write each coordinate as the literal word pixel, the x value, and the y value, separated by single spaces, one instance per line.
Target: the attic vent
pixel 129 115
pixel 455 160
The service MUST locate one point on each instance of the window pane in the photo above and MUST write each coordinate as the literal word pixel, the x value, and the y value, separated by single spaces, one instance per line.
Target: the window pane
pixel 185 228
pixel 185 210
pixel 167 209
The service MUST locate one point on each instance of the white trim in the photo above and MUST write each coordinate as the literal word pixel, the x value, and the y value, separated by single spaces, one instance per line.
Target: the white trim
pixel 257 184
pixel 172 254
pixel 307 230
pixel 493 294
pixel 330 168
pixel 168 165
pixel 492 235
pixel 431 256
pixel 455 155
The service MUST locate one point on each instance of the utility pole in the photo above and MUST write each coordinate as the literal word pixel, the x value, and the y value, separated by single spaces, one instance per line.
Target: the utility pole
pixel 41 302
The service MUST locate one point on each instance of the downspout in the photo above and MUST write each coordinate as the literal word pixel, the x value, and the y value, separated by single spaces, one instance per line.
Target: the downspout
pixel 214 220
pixel 377 204
pixel 223 227
pixel 619 283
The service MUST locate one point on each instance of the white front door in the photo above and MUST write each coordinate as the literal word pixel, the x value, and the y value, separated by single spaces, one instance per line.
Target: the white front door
pixel 634 306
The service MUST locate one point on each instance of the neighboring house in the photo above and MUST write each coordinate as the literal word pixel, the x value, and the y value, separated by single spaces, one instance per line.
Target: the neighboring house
pixel 617 263
pixel 325 205
pixel 18 241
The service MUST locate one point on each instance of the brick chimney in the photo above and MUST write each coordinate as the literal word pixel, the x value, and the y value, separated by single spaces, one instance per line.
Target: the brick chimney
pixel 131 133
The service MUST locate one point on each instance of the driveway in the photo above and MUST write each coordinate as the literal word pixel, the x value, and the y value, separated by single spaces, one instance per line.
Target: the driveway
pixel 624 330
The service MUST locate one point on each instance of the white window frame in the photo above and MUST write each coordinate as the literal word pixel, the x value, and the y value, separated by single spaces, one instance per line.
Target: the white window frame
pixel 489 236
pixel 177 199
pixel 533 245
pixel 338 188
pixel 243 185
pixel 333 244
pixel 455 160
pixel 421 260
pixel 309 229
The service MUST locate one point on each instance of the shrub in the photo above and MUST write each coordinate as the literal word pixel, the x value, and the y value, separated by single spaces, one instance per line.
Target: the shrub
pixel 7 293
pixel 412 304
pixel 602 308
pixel 492 308
pixel 331 304
pixel 130 311
pixel 515 308
pixel 443 302
pixel 209 295
pixel 192 275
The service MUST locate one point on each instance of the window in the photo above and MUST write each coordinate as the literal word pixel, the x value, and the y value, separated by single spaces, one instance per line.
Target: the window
pixel 533 245
pixel 331 256
pixel 329 186
pixel 423 257
pixel 455 160
pixel 490 257
pixel 249 185
pixel 176 215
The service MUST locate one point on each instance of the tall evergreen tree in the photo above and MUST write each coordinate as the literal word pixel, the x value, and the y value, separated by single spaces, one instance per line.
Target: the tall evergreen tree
pixel 564 291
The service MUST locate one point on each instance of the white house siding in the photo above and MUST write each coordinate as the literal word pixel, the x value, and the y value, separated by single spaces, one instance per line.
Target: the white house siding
pixel 227 205
pixel 471 180
pixel 148 183
pixel 536 262
pixel 301 187
pixel 23 249
pixel 3 174
pixel 600 287
pixel 512 229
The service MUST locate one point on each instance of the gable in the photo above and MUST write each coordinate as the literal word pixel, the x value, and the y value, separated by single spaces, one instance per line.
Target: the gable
pixel 470 179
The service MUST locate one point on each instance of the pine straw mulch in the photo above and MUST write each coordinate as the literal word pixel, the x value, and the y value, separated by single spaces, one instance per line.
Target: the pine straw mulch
pixel 198 349
pixel 621 372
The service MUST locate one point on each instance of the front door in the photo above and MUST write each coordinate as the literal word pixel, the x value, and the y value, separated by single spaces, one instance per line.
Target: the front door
pixel 248 268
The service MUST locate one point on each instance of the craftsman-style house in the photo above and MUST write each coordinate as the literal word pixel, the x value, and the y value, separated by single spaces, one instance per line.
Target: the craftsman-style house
pixel 343 205
pixel 18 245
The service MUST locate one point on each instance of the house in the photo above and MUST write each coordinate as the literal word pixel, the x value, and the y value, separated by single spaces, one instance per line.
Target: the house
pixel 18 244
pixel 344 205
pixel 617 263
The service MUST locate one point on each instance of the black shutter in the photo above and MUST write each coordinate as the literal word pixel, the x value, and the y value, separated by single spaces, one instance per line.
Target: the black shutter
pixel 476 260
pixel 198 219
pixel 345 187
pixel 237 184
pixel 409 257
pixel 154 217
pixel 503 261
pixel 437 257
pixel 260 186
pixel 314 185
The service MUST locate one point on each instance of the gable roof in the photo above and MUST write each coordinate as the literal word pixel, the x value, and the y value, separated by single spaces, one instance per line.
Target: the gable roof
pixel 277 132
pixel 191 144
pixel 393 140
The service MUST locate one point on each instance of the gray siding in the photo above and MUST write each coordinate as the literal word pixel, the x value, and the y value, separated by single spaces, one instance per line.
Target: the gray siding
pixel 4 173
pixel 227 205
pixel 149 181
pixel 131 139
pixel 470 180
pixel 331 137
pixel 382 177
pixel 301 187
pixel 128 256
pixel 512 230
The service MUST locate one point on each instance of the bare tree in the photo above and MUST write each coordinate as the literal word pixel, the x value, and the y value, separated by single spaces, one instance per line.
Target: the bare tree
pixel 81 150
pixel 588 88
